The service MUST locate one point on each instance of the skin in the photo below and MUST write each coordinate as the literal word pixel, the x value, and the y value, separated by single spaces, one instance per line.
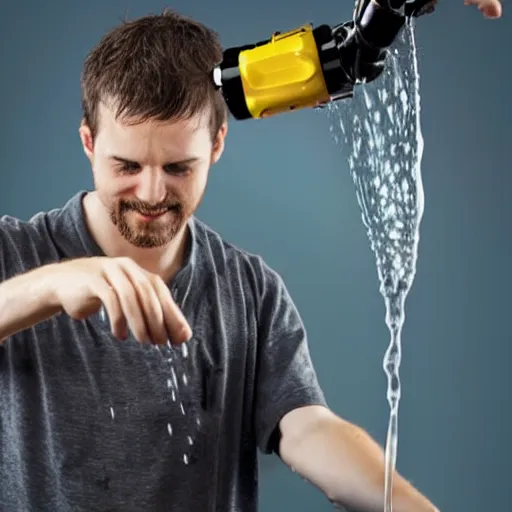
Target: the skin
pixel 147 168
pixel 491 9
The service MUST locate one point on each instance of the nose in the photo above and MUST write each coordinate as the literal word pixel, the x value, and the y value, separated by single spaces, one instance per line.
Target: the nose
pixel 151 188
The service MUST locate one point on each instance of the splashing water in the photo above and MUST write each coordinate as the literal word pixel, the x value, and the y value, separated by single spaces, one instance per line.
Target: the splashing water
pixel 381 128
pixel 171 356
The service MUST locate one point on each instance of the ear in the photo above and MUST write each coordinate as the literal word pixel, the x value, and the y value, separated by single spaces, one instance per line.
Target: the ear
pixel 87 140
pixel 218 145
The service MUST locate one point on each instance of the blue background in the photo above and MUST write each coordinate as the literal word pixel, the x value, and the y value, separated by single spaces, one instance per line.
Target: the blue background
pixel 283 190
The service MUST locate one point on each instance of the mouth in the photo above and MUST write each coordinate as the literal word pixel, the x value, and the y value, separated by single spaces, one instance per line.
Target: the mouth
pixel 149 216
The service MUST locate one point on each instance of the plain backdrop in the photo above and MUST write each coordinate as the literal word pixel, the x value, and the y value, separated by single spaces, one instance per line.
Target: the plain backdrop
pixel 283 190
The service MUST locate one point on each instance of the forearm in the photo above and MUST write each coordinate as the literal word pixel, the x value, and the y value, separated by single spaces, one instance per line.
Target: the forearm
pixel 348 466
pixel 26 300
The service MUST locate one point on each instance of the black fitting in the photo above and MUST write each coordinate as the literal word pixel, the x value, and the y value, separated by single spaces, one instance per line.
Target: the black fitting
pixel 231 82
pixel 338 82
pixel 379 26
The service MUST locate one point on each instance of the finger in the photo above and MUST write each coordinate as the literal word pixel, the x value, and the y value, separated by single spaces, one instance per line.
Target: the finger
pixel 489 8
pixel 108 297
pixel 178 329
pixel 128 299
pixel 493 9
pixel 148 300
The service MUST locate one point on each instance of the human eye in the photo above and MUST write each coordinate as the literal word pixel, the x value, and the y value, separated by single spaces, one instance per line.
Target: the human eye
pixel 177 169
pixel 127 167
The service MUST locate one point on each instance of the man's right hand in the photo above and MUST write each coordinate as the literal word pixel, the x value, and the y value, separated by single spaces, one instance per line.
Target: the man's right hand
pixel 135 300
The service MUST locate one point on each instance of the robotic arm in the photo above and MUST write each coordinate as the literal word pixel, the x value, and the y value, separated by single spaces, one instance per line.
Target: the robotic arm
pixel 310 67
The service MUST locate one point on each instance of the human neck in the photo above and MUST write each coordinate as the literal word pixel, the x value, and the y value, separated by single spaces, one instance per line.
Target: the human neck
pixel 164 261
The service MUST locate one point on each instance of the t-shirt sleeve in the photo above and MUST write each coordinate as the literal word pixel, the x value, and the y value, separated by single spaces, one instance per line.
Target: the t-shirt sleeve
pixel 286 378
pixel 14 247
pixel 20 247
pixel 5 245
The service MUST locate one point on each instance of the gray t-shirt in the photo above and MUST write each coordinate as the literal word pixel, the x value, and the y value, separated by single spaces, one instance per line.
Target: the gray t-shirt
pixel 92 424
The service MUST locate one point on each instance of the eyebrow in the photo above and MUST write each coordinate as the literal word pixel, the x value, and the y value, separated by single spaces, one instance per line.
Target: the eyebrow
pixel 185 161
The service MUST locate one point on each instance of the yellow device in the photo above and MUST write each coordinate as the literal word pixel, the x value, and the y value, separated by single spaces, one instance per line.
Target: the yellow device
pixel 310 67
pixel 292 70
pixel 284 74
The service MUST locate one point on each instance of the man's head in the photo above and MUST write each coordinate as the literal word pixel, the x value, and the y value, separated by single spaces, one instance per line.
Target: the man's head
pixel 153 123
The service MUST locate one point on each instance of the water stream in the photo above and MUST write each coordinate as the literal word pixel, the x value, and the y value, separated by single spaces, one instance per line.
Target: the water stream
pixel 380 130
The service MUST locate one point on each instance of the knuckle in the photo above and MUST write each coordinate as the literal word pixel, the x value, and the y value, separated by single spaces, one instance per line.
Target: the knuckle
pixel 143 288
pixel 152 278
pixel 144 280
pixel 111 292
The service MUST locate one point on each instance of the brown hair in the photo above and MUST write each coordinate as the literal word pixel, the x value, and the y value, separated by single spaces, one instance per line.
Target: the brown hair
pixel 154 67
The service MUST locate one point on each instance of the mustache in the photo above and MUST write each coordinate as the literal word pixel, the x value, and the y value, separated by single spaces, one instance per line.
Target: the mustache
pixel 150 209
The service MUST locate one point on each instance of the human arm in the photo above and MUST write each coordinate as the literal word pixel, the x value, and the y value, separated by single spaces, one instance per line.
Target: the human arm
pixel 133 299
pixel 26 300
pixel 285 378
pixel 293 420
pixel 343 461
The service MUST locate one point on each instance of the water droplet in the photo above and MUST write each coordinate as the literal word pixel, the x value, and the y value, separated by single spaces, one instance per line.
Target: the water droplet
pixel 182 408
pixel 184 350
pixel 190 440
pixel 174 378
pixel 169 429
pixel 112 413
pixel 173 395
pixel 185 380
pixel 185 459
pixel 169 383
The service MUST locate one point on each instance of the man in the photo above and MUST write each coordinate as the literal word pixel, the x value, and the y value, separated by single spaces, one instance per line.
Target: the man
pixel 94 419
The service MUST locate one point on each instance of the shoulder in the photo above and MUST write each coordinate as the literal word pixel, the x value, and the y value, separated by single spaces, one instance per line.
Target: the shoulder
pixel 36 228
pixel 25 244
pixel 15 229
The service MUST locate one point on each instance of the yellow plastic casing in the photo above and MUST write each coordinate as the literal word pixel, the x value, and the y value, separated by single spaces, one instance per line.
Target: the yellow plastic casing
pixel 283 74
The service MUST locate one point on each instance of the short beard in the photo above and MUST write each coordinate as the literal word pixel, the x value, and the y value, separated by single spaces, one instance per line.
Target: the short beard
pixel 146 236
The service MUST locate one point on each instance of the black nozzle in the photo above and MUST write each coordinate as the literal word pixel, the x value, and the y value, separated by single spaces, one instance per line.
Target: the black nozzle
pixel 381 21
pixel 363 43
pixel 380 25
